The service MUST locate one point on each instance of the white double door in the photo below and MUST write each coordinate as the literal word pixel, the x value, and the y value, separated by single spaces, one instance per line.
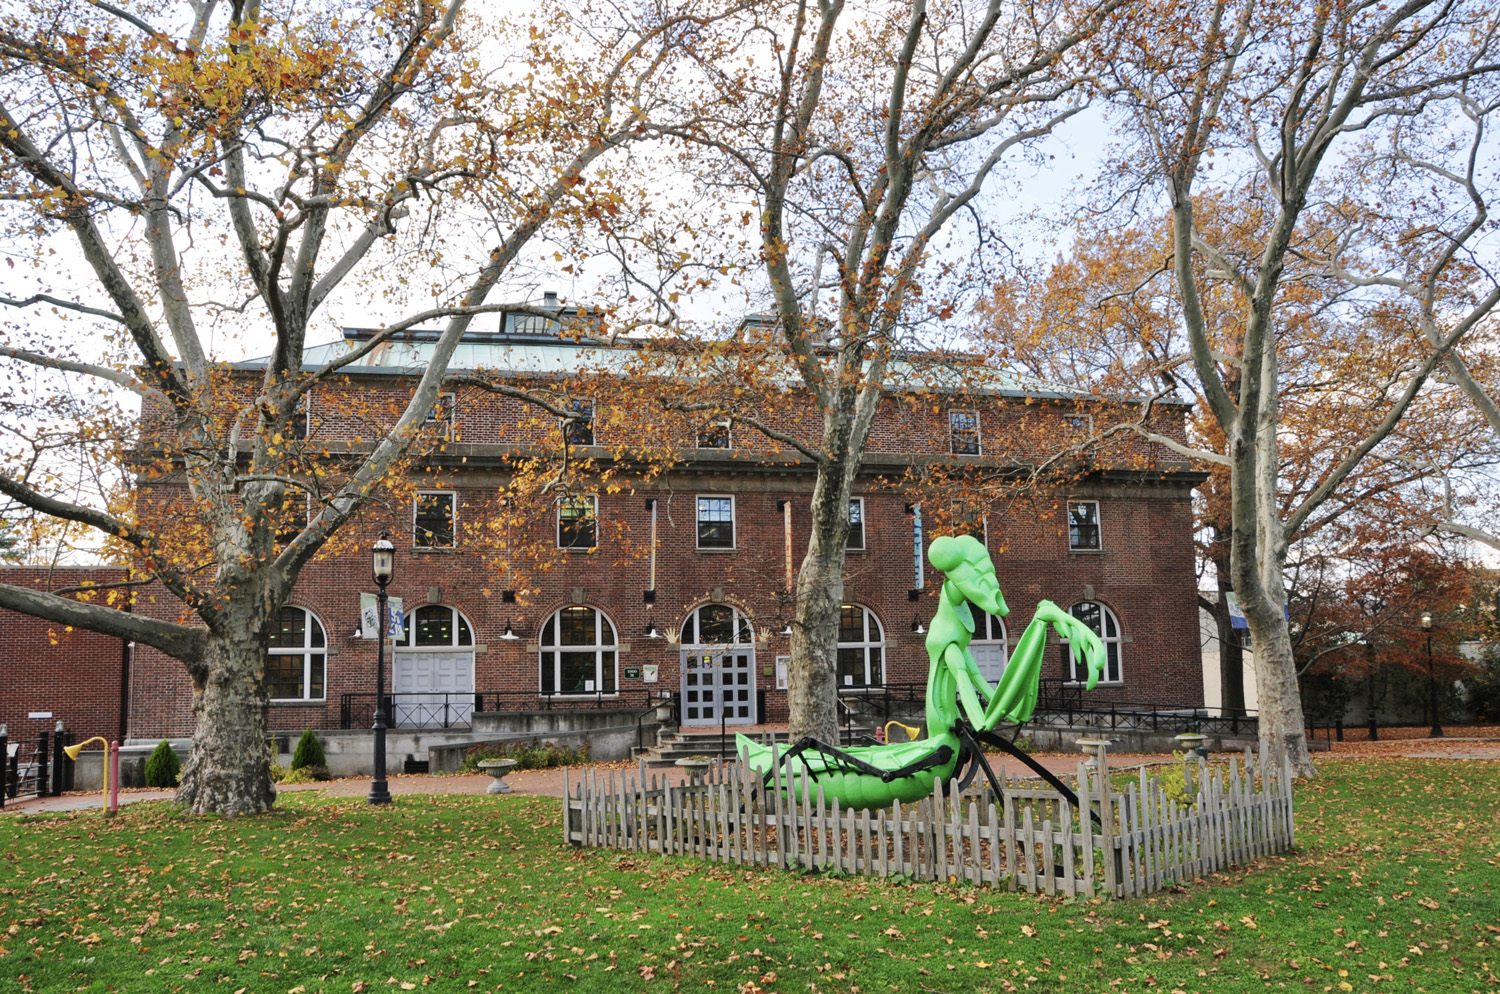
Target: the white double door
pixel 718 686
pixel 432 689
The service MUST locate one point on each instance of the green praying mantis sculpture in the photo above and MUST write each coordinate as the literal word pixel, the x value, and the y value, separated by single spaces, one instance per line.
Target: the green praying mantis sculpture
pixel 963 711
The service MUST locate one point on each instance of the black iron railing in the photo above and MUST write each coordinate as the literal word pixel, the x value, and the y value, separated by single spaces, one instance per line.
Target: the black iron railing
pixel 432 710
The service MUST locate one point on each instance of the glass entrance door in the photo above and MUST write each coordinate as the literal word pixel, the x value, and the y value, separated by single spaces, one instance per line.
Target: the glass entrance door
pixel 718 686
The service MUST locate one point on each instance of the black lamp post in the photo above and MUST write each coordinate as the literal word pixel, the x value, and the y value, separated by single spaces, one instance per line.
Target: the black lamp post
pixel 383 560
pixel 1432 688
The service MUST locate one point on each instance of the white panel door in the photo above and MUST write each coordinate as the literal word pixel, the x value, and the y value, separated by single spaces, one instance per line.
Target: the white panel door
pixel 432 689
pixel 990 658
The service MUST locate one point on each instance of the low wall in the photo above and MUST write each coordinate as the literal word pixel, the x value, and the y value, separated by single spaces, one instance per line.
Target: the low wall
pixel 606 744
pixel 1127 740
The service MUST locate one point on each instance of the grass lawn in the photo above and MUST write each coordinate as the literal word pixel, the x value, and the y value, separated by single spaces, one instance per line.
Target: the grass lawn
pixel 1396 888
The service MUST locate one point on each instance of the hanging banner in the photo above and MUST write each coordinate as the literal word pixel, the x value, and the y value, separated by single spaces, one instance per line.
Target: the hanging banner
pixel 1237 614
pixel 369 618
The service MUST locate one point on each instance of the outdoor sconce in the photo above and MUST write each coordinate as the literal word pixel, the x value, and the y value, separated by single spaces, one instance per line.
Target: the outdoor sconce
pixel 510 633
pixel 917 627
pixel 652 632
pixel 786 629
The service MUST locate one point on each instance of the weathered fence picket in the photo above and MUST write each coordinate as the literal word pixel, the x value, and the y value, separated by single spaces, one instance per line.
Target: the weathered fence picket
pixel 1122 844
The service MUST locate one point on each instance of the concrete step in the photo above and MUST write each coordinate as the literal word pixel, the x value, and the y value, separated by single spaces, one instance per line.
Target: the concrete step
pixel 694 742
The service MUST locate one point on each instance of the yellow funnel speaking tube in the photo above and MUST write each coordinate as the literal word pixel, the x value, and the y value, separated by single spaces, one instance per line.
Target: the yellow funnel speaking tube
pixel 74 750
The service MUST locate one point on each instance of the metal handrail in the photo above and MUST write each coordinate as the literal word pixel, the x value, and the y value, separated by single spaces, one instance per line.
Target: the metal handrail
pixel 640 718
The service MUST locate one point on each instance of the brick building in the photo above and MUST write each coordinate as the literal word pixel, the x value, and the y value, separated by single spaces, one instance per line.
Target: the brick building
pixel 584 622
pixel 63 673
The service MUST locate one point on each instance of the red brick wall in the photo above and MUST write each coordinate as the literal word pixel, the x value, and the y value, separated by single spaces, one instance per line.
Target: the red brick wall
pixel 1144 574
pixel 73 673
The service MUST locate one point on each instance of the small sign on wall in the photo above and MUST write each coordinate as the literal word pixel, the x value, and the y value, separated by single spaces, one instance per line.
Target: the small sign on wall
pixel 648 673
pixel 783 663
pixel 632 672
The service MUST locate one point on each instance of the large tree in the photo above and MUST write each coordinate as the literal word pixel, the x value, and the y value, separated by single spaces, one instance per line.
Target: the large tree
pixel 854 144
pixel 185 172
pixel 1358 129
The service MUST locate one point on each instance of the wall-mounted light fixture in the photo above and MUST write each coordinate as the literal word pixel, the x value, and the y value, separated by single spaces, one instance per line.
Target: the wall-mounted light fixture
pixel 917 627
pixel 652 632
pixel 510 633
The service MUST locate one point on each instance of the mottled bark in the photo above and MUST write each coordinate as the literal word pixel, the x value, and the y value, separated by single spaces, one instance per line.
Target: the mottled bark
pixel 812 684
pixel 229 771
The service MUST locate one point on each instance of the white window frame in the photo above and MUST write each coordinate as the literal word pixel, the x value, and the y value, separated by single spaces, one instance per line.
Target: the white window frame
pixel 953 433
pixel 734 535
pixel 1077 670
pixel 416 536
pixel 444 414
pixel 728 427
pixel 872 640
pixel 302 409
pixel 864 530
pixel 599 648
pixel 593 500
pixel 1098 528
pixel 307 651
pixel 1079 422
pixel 956 528
pixel 459 623
pixel 576 407
pixel 982 635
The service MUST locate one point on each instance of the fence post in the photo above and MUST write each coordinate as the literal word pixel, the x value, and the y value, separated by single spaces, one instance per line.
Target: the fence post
pixel 58 758
pixel 1099 750
pixel 4 764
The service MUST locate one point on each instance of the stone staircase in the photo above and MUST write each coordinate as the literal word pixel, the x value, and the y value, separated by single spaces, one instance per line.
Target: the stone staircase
pixel 687 742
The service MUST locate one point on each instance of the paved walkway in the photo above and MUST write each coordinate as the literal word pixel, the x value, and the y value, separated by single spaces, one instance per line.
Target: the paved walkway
pixel 549 783
pixel 542 783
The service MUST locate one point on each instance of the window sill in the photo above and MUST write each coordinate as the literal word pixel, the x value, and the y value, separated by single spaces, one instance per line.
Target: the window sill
pixel 584 549
pixel 1085 552
pixel 426 550
pixel 297 702
pixel 715 550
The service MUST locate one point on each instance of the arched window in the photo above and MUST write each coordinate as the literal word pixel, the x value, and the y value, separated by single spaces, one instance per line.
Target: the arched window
pixel 861 648
pixel 716 624
pixel 578 653
pixel 989 646
pixel 436 626
pixel 297 658
pixel 1102 620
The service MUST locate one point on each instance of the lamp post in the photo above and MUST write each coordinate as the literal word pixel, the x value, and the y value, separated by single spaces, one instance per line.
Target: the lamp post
pixel 1432 690
pixel 383 561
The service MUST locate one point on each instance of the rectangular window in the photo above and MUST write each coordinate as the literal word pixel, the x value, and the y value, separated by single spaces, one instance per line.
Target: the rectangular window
pixel 1081 423
pixel 971 521
pixel 963 432
pixel 714 435
pixel 715 522
pixel 577 523
pixel 433 514
pixel 578 427
pixel 440 418
pixel 299 417
pixel 856 539
pixel 1083 525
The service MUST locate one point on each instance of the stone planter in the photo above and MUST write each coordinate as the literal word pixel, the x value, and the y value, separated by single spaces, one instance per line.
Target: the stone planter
pixel 497 768
pixel 1193 742
pixel 696 768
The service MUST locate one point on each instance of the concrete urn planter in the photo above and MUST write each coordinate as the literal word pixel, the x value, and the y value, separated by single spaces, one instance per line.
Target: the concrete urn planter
pixel 696 768
pixel 497 768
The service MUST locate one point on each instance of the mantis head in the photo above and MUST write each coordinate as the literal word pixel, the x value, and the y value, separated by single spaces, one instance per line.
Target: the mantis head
pixel 967 564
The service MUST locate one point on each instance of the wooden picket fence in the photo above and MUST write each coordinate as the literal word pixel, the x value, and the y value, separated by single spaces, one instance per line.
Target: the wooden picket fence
pixel 1030 838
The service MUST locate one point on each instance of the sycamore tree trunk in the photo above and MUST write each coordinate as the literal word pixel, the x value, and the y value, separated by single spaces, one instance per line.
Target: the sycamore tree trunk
pixel 229 771
pixel 812 685
pixel 1258 548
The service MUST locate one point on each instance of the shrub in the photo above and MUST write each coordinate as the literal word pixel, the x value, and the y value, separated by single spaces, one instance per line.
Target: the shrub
pixel 531 755
pixel 309 752
pixel 163 767
pixel 279 773
pixel 306 774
